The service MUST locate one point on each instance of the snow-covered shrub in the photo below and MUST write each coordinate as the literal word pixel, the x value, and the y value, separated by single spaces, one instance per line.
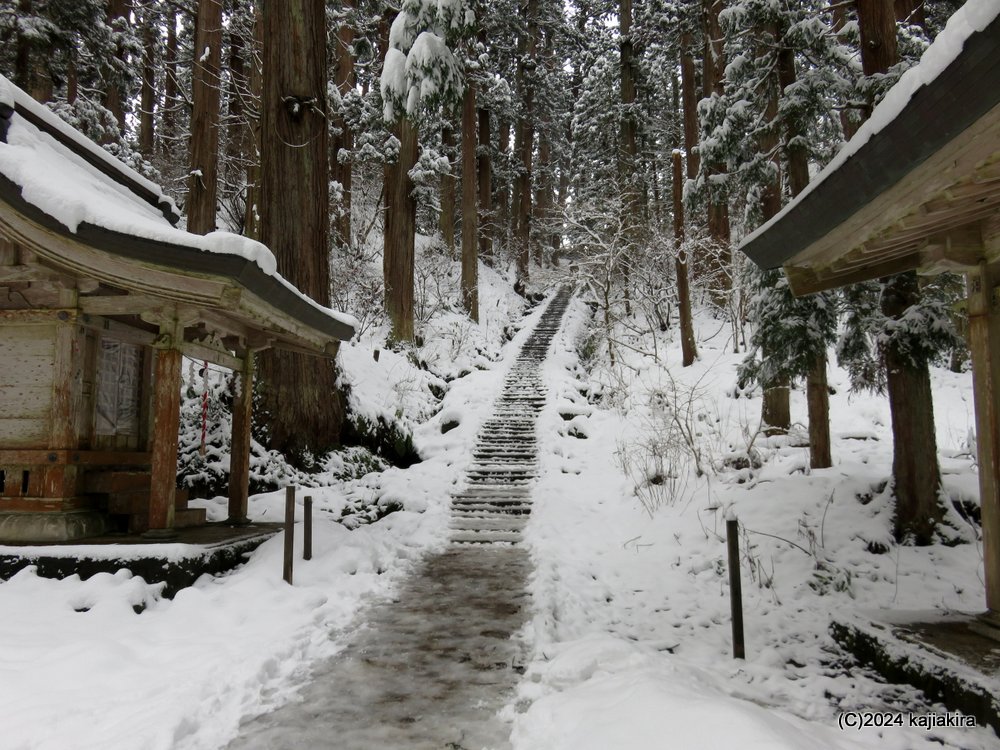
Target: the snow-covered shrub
pixel 205 444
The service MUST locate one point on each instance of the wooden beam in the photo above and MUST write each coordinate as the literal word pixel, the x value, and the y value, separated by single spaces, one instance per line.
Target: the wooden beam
pixel 239 455
pixel 225 324
pixel 22 273
pixel 213 354
pixel 32 457
pixel 991 238
pixel 957 251
pixel 805 280
pixel 984 341
pixel 80 260
pixel 972 152
pixel 119 304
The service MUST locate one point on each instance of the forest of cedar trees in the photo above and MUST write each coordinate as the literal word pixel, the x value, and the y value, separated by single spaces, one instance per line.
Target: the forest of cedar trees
pixel 631 143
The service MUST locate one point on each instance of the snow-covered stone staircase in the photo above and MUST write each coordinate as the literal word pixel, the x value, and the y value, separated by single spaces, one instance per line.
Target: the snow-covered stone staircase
pixel 493 507
pixel 434 664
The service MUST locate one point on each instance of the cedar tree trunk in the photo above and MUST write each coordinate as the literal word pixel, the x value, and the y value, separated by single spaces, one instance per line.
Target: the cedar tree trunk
pixel 470 217
pixel 303 408
pixel 689 350
pixel 400 231
pixel 206 95
pixel 915 470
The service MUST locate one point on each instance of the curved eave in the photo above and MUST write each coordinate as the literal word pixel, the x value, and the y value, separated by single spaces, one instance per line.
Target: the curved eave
pixel 227 271
pixel 963 96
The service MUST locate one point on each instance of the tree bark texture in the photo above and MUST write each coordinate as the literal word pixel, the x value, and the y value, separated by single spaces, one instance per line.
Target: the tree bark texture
pixel 526 78
pixel 343 137
pixel 914 457
pixel 817 388
pixel 446 220
pixel 206 92
pixel 689 350
pixel 718 207
pixel 628 155
pixel 400 230
pixel 303 407
pixel 543 199
pixel 240 148
pixel 114 98
pixel 251 223
pixel 689 97
pixel 776 411
pixel 916 475
pixel 470 216
pixel 502 212
pixel 170 96
pixel 484 173
pixel 877 24
pixel 147 98
pixel 818 405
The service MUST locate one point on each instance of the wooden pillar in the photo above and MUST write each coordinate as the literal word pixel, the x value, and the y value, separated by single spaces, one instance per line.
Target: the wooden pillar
pixel 166 421
pixel 984 341
pixel 239 456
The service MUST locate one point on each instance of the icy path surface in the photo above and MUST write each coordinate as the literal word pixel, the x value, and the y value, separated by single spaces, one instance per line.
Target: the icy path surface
pixel 435 664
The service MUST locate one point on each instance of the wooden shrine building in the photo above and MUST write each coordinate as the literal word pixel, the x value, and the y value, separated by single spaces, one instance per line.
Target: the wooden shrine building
pixel 100 300
pixel 918 188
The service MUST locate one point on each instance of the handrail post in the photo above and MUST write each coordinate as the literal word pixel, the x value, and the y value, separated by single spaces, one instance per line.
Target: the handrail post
pixel 286 571
pixel 307 529
pixel 735 588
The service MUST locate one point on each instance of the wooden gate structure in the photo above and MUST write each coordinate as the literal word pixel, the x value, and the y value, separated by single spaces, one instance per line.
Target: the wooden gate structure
pixel 918 188
pixel 100 300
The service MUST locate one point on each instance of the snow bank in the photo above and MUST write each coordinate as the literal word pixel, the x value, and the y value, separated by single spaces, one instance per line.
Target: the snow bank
pixel 631 628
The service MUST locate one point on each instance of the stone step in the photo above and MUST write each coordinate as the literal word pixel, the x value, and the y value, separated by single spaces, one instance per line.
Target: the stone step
pixel 485 537
pixel 478 525
pixel 495 503
pixel 487 511
pixel 498 482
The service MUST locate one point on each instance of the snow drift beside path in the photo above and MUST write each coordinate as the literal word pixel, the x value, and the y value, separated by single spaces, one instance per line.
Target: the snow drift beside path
pixel 631 632
pixel 80 669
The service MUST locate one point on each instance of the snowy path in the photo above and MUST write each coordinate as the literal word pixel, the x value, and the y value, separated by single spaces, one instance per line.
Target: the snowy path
pixel 434 665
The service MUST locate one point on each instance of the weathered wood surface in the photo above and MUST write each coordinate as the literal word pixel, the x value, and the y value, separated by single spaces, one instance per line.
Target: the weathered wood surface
pixel 956 186
pixel 984 340
pixel 166 419
pixel 239 457
pixel 26 389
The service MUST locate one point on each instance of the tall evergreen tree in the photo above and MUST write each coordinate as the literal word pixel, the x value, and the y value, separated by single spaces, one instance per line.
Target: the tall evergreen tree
pixel 421 73
pixel 303 410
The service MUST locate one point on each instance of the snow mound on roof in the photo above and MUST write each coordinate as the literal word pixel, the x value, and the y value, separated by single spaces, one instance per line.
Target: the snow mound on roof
pixel 60 183
pixel 6 92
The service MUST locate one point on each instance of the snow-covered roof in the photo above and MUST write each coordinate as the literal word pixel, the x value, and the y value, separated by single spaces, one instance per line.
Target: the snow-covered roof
pixel 81 190
pixel 934 102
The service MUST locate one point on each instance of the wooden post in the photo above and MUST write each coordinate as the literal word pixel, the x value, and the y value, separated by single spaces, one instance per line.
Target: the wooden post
pixel 166 421
pixel 984 341
pixel 286 571
pixel 307 529
pixel 68 377
pixel 239 457
pixel 735 588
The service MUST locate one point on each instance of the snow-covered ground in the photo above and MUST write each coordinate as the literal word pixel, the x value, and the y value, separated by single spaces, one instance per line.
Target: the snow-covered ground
pixel 80 669
pixel 630 633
